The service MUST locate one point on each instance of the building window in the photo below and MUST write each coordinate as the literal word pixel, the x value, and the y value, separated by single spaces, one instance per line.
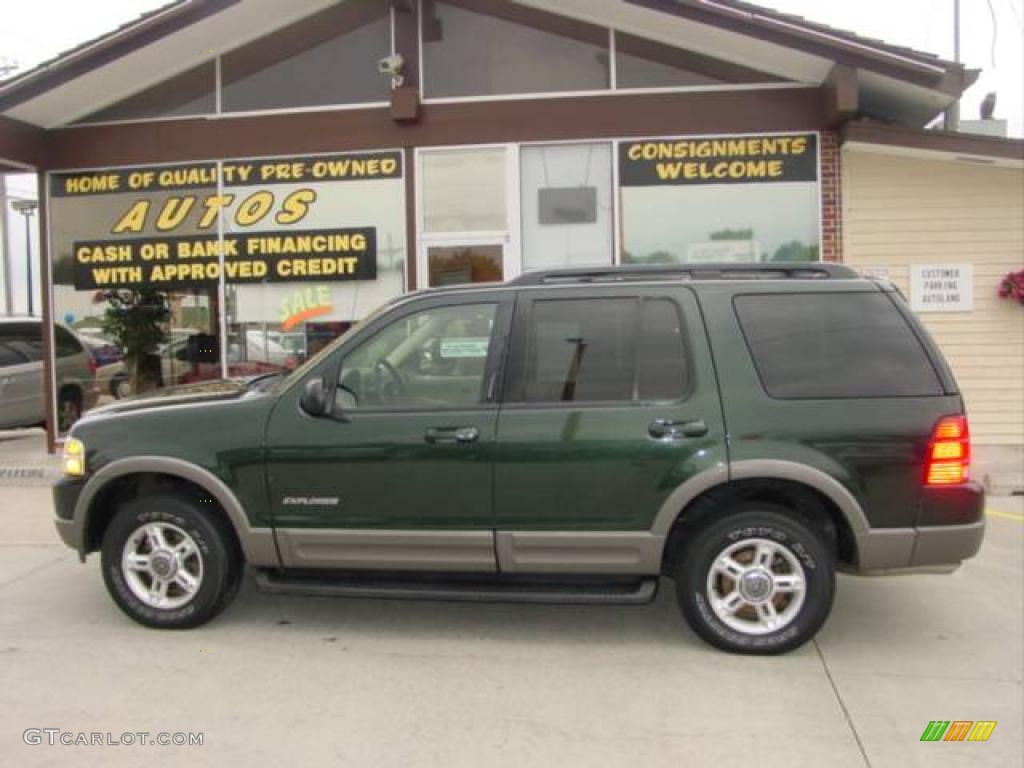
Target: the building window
pixel 465 216
pixel 566 193
pixel 300 261
pixel 190 93
pixel 329 58
pixel 464 190
pixel 469 263
pixel 509 49
pixel 720 199
pixel 641 63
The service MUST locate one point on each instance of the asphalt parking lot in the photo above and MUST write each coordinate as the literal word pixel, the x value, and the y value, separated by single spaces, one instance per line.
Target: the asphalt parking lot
pixel 309 682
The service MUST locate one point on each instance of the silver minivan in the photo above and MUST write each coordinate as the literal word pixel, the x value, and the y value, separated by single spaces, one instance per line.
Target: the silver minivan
pixel 21 374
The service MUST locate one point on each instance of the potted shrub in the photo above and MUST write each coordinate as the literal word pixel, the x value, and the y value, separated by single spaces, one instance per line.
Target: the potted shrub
pixel 137 320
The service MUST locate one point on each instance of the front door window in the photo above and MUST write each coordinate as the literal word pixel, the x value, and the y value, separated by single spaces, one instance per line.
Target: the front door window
pixel 434 359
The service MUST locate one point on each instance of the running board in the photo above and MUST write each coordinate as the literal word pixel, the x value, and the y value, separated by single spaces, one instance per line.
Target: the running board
pixel 483 589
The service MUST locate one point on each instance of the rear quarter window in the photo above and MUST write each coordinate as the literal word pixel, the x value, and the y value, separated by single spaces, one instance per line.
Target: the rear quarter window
pixel 66 344
pixel 834 345
pixel 9 356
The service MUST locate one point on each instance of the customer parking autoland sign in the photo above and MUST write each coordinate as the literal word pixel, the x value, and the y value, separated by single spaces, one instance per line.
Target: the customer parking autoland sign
pixel 246 221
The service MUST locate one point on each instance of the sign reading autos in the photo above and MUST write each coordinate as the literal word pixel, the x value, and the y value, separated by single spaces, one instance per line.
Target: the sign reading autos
pixel 252 221
pixel 719 160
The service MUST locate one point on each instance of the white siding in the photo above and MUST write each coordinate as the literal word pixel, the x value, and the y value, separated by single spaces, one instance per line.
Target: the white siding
pixel 899 211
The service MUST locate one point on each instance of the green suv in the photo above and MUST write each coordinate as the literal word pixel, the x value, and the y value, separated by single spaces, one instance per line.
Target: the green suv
pixel 570 436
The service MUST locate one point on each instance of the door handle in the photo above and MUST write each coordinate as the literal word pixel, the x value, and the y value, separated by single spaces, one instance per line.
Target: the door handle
pixel 666 429
pixel 451 435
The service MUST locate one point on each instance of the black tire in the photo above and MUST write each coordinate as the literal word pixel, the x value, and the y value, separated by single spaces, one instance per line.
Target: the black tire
pixel 750 522
pixel 119 387
pixel 69 409
pixel 214 548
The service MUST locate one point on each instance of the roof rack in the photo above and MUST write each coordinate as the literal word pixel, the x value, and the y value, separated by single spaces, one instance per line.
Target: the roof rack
pixel 637 272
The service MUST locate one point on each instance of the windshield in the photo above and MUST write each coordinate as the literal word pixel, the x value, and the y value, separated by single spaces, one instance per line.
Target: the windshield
pixel 314 361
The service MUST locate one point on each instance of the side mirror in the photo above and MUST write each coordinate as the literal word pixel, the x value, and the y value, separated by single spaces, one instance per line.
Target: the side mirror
pixel 314 398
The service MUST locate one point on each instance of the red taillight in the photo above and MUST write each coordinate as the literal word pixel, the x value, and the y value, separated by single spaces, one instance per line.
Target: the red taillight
pixel 949 452
pixel 90 361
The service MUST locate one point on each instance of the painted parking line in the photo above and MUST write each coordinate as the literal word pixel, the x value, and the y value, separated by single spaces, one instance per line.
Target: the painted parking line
pixel 1005 515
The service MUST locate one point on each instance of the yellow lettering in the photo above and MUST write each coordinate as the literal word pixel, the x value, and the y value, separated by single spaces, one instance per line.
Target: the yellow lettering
pixel 254 208
pixel 214 204
pixel 174 212
pixel 134 220
pixel 295 207
pixel 80 185
pixel 668 171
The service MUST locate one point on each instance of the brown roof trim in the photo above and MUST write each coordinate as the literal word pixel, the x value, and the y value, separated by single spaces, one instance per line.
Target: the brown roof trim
pixel 94 54
pixel 936 141
pixel 536 120
pixel 820 40
pixel 20 143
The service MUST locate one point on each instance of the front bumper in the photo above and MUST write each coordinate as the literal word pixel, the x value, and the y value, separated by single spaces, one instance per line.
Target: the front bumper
pixel 69 526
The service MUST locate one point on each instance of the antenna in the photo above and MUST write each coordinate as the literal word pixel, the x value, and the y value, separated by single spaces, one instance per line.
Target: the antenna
pixel 952 121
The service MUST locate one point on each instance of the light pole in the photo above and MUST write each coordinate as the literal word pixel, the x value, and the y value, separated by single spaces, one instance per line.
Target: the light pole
pixel 27 208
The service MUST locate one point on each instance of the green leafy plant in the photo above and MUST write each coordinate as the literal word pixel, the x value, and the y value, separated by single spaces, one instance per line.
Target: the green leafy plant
pixel 137 321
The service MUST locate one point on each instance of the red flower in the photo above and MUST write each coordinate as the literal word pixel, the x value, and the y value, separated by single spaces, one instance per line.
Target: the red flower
pixel 1012 287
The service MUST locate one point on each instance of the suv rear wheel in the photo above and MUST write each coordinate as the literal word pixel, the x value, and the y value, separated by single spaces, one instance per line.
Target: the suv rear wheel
pixel 167 564
pixel 757 580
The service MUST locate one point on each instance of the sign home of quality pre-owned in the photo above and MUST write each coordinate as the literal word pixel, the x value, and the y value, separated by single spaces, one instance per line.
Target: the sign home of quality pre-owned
pixel 265 236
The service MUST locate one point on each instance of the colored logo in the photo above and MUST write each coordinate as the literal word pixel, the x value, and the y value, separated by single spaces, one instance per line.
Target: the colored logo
pixel 305 304
pixel 958 730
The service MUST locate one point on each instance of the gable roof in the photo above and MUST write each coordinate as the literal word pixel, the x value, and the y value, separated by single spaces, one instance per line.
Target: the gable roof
pixel 770 17
pixel 896 83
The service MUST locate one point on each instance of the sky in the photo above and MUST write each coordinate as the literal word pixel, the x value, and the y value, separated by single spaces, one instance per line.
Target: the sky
pixel 35 31
pixel 992 39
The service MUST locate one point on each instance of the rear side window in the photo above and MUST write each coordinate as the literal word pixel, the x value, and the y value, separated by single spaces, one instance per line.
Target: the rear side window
pixel 834 345
pixel 67 344
pixel 581 349
pixel 10 357
pixel 604 350
pixel 24 338
pixel 662 373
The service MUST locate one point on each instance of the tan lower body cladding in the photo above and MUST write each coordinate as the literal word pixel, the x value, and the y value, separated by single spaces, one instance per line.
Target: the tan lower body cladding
pixel 616 552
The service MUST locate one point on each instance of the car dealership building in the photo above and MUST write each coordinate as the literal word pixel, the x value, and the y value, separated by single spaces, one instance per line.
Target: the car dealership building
pixel 275 171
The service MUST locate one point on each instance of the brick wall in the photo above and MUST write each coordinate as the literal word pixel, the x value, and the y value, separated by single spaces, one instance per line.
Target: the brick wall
pixel 831 202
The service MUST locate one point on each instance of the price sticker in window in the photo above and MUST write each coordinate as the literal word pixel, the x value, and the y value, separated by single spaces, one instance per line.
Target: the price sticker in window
pixel 467 347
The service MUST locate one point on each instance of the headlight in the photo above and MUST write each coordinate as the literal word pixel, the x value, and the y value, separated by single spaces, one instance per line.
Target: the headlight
pixel 73 460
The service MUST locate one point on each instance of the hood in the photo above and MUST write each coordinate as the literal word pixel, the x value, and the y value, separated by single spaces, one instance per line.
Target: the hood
pixel 185 394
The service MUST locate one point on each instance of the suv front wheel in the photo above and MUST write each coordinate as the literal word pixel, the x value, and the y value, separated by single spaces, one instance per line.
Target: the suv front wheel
pixel 167 564
pixel 757 580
